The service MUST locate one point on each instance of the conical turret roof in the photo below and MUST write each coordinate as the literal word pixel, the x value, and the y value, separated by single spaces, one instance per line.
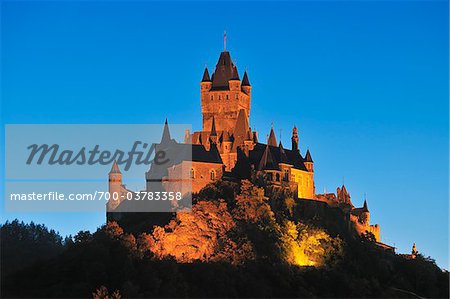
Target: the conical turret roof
pixel 309 159
pixel 245 81
pixel 166 133
pixel 115 168
pixel 272 139
pixel 267 162
pixel 365 208
pixel 206 77
pixel 213 128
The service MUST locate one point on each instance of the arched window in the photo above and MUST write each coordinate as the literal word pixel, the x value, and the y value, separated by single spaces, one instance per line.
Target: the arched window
pixel 220 97
pixel 212 97
pixel 228 97
pixel 192 173
pixel 212 175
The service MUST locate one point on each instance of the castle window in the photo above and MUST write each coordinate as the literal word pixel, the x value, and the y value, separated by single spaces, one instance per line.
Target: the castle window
pixel 212 97
pixel 192 173
pixel 228 97
pixel 286 175
pixel 220 97
pixel 212 175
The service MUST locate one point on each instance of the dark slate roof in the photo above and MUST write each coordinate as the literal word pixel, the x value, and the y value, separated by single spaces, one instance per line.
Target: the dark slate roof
pixel 283 156
pixel 308 157
pixel 225 71
pixel 365 208
pixel 166 133
pixel 200 154
pixel 358 211
pixel 245 81
pixel 272 139
pixel 267 162
pixel 289 157
pixel 206 77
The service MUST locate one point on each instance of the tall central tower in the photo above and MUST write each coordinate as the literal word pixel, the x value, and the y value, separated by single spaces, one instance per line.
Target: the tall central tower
pixel 223 95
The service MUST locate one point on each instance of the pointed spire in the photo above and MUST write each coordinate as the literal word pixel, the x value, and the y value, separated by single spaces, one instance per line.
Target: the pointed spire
pixel 267 162
pixel 294 139
pixel 115 168
pixel 166 133
pixel 283 157
pixel 272 141
pixel 309 159
pixel 213 128
pixel 206 77
pixel 245 81
pixel 365 209
pixel 241 127
pixel 214 151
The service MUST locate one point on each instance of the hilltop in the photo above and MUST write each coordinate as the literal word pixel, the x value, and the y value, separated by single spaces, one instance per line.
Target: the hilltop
pixel 240 240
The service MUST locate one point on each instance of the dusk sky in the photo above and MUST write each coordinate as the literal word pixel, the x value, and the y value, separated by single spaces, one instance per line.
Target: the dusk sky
pixel 365 82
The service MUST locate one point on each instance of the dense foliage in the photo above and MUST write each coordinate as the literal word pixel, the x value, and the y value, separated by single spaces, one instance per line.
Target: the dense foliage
pixel 239 241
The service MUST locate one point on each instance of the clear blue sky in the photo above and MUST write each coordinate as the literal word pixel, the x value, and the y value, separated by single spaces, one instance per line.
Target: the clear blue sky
pixel 366 83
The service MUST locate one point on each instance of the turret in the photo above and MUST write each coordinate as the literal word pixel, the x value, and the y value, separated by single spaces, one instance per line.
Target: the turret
pixel 365 215
pixel 309 161
pixel 226 142
pixel 246 87
pixel 414 251
pixel 206 83
pixel 115 186
pixel 294 139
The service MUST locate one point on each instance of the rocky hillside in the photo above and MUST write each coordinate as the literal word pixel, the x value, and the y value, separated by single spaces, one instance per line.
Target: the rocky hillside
pixel 239 241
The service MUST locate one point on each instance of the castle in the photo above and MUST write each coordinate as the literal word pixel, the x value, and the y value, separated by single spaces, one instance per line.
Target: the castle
pixel 227 147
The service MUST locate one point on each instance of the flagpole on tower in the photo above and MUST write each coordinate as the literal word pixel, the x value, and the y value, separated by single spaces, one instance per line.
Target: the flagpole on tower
pixel 224 41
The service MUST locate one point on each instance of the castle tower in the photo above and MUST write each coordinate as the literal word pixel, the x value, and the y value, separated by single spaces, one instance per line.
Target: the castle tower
pixel 365 215
pixel 115 186
pixel 223 95
pixel 309 163
pixel 294 139
pixel 414 251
